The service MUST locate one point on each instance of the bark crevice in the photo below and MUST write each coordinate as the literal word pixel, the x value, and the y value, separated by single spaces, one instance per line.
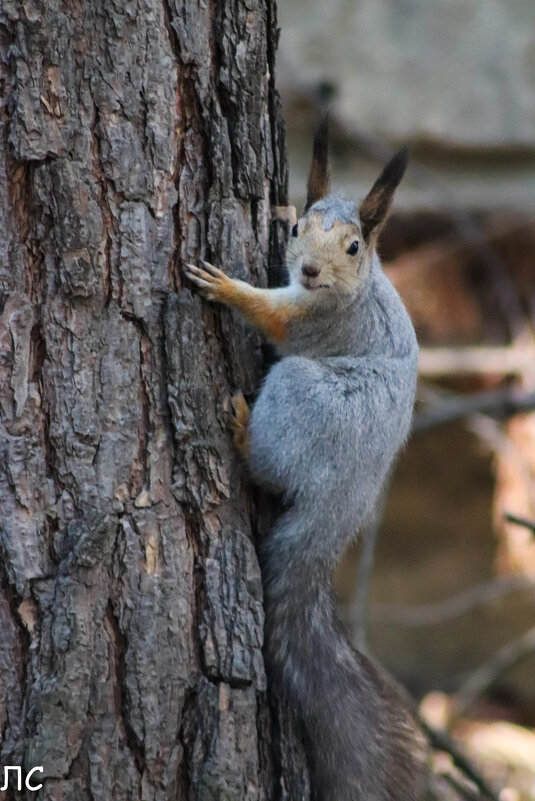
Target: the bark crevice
pixel 136 136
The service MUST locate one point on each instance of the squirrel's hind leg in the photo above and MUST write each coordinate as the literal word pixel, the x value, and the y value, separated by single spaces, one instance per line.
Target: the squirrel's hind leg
pixel 240 424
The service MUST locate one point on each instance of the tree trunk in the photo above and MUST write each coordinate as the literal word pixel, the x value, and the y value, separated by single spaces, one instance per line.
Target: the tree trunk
pixel 136 135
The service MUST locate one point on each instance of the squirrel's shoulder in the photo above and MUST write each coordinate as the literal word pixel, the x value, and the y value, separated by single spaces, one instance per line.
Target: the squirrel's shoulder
pixel 374 322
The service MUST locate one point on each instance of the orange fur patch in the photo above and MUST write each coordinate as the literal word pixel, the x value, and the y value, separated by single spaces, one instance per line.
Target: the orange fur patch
pixel 242 442
pixel 240 423
pixel 259 310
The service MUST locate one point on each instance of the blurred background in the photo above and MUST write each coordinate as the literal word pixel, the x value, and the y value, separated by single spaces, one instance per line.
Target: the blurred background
pixel 451 602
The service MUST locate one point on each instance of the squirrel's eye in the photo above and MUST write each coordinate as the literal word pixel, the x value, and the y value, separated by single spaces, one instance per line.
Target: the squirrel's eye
pixel 294 230
pixel 353 248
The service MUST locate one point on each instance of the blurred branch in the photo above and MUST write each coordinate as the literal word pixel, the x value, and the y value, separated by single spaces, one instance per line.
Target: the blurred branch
pixel 483 678
pixel 461 789
pixel 430 614
pixel 441 741
pixel 492 434
pixel 440 362
pixel 520 521
pixel 501 403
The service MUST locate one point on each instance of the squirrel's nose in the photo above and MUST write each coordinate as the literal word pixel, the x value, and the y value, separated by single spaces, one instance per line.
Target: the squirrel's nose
pixel 310 270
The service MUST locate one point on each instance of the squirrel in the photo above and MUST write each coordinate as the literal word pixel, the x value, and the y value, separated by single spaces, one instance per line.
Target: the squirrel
pixel 328 421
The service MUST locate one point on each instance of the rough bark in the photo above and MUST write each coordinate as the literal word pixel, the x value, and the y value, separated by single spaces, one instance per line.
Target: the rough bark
pixel 136 135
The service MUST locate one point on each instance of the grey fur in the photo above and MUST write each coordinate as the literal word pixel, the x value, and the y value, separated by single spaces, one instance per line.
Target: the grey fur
pixel 328 422
pixel 335 208
pixel 325 429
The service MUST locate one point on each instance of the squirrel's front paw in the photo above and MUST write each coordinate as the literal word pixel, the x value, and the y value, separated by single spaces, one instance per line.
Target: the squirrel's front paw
pixel 211 281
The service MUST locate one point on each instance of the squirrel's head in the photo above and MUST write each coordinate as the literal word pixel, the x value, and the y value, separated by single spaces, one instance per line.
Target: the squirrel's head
pixel 332 243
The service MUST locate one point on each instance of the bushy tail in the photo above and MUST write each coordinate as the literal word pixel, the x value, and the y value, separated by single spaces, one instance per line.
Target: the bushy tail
pixel 363 742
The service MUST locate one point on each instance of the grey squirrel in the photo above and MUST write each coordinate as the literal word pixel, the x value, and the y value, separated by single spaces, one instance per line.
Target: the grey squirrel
pixel 323 433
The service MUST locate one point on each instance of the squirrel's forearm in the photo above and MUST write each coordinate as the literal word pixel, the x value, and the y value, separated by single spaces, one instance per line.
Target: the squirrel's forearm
pixel 269 310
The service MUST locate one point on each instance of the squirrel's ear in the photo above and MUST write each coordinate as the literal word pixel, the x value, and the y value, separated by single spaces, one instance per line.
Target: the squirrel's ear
pixel 319 177
pixel 374 209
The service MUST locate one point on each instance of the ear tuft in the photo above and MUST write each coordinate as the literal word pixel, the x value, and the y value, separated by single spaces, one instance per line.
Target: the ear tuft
pixel 374 208
pixel 319 178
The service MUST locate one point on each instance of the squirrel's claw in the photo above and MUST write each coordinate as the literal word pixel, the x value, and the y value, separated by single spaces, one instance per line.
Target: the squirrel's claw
pixel 209 280
pixel 197 277
pixel 193 272
pixel 215 271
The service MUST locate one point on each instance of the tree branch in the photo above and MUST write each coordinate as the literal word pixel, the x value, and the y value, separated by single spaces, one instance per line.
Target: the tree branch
pixel 483 678
pixel 467 792
pixel 455 606
pixel 500 404
pixel 441 741
pixel 515 360
pixel 521 521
